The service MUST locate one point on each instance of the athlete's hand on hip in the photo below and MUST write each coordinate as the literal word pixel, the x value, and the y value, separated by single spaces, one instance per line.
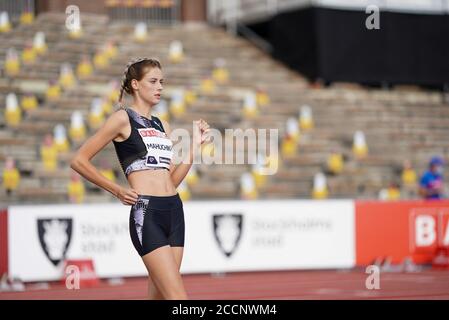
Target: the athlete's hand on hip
pixel 201 132
pixel 127 196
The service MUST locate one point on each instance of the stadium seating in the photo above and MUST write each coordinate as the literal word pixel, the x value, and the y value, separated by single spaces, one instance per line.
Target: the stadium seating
pixel 399 124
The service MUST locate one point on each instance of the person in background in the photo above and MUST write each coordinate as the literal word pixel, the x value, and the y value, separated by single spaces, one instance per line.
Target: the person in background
pixel 409 179
pixel 11 176
pixel 431 182
pixel 75 188
pixel 49 153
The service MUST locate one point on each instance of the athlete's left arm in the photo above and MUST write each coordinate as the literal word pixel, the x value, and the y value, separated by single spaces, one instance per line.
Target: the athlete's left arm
pixel 179 172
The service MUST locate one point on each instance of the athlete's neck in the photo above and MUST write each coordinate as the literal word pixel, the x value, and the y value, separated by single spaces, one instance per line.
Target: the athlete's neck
pixel 142 109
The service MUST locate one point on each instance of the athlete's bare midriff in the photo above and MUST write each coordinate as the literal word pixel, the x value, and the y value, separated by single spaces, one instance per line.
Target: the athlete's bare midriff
pixel 152 182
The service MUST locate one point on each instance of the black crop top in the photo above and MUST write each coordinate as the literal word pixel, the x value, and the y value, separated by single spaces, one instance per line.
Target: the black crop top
pixel 147 147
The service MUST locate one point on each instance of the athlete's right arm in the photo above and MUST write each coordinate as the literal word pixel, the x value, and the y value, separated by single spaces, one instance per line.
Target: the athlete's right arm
pixel 81 160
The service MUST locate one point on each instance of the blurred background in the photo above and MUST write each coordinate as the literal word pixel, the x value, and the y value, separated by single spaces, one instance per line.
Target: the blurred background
pixel 359 91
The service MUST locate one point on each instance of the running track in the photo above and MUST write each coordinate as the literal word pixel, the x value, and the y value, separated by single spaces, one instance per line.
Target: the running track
pixel 285 285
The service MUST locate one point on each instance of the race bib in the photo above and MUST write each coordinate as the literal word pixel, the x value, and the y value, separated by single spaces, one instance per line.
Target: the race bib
pixel 159 148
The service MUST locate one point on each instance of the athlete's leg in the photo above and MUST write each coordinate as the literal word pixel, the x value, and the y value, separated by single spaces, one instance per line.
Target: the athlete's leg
pixel 178 253
pixel 165 273
pixel 153 291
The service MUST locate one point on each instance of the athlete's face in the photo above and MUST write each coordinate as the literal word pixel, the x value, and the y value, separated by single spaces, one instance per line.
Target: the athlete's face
pixel 149 89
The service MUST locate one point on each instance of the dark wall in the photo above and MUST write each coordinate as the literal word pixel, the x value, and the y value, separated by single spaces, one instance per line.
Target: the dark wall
pixel 335 45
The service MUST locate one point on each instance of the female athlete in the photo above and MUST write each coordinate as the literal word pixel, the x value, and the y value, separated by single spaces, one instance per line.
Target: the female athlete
pixel 145 153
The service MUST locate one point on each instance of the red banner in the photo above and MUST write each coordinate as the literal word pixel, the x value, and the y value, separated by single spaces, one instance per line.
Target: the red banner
pixel 3 242
pixel 415 229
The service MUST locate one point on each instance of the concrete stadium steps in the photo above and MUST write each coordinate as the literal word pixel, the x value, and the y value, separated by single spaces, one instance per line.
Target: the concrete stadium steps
pixel 399 124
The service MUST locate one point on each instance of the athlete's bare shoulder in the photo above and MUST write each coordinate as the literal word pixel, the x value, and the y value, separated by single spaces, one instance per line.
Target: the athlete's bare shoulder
pixel 119 117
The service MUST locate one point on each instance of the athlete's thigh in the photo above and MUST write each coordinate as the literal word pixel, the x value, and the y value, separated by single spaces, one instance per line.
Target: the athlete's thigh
pixel 164 271
pixel 153 291
pixel 178 253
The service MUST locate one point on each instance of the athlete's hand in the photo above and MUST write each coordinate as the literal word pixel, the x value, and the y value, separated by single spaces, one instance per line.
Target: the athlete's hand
pixel 201 132
pixel 127 196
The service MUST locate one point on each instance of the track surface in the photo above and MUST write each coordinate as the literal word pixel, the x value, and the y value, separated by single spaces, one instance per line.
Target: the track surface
pixel 285 285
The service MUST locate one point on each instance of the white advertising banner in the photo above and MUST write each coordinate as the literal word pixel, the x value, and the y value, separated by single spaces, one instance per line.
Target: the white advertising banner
pixel 221 236
pixel 41 237
pixel 268 235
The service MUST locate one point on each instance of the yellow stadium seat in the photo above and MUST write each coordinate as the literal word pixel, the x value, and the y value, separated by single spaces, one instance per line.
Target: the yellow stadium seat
pixel 29 102
pixel 60 138
pixel 67 78
pixel 220 72
pixel 49 156
pixel 335 163
pixel 220 75
pixel 113 91
pixel 101 61
pixel 28 55
pixel 140 32
pixel 110 50
pixel 393 193
pixel 250 109
pixel 176 53
pixel 184 192
pixel 12 62
pixel 190 96
pixel 5 24
pixel 11 175
pixel 84 68
pixel 207 86
pixel 289 146
pixel 360 148
pixel 262 98
pixel 192 176
pixel 207 150
pixel 53 91
pixel 76 32
pixel 248 189
pixel 305 118
pixel 13 113
pixel 409 176
pixel 39 43
pixel 108 174
pixel 77 130
pixel 76 191
pixel 26 18
pixel 320 190
pixel 177 105
pixel 96 115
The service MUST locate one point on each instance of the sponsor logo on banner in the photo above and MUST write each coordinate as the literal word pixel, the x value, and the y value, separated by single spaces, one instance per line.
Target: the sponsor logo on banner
pixel 227 231
pixel 429 229
pixel 443 224
pixel 401 230
pixel 54 237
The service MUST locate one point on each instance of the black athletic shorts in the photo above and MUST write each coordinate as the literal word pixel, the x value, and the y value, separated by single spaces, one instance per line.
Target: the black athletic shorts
pixel 156 221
